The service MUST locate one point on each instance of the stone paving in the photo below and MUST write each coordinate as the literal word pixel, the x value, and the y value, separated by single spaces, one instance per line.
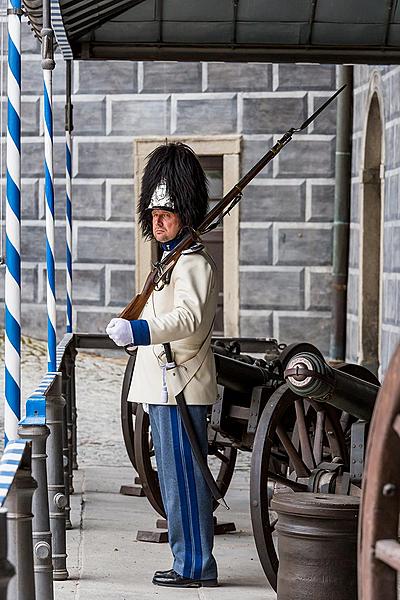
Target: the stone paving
pixel 104 559
pixel 98 384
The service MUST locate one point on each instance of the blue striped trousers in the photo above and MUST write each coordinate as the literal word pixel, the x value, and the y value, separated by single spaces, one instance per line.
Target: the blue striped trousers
pixel 186 496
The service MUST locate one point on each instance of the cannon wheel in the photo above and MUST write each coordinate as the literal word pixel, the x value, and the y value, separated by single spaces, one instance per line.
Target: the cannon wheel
pixel 144 453
pixel 128 411
pixel 274 454
pixel 379 549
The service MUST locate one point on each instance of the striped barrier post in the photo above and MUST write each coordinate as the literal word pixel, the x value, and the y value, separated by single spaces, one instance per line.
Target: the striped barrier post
pixel 12 351
pixel 48 66
pixel 68 185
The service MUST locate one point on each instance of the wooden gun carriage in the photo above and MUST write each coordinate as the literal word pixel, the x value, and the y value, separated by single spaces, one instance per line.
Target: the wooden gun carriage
pixel 300 438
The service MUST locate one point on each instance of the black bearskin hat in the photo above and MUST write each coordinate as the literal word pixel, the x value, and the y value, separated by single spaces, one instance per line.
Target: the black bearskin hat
pixel 177 167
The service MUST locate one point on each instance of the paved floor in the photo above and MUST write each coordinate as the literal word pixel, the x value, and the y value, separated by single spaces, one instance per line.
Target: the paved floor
pixel 104 559
pixel 106 562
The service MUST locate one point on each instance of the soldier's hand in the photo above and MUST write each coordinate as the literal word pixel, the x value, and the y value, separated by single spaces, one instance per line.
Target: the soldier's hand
pixel 120 331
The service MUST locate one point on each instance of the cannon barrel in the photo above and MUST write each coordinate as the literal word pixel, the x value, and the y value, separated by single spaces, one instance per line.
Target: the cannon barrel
pixel 236 374
pixel 308 375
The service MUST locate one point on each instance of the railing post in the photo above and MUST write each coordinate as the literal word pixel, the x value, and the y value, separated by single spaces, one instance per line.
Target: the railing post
pixel 6 568
pixel 69 362
pixel 68 523
pixel 55 473
pixel 33 427
pixel 74 412
pixel 19 519
pixel 63 351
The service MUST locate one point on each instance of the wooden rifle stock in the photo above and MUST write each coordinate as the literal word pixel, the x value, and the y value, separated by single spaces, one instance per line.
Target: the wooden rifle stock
pixel 135 307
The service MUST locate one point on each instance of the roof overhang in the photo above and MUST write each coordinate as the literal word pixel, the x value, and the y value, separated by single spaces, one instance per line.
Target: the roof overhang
pixel 323 31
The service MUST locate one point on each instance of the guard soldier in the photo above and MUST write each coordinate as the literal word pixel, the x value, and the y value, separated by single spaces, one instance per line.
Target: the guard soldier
pixel 174 197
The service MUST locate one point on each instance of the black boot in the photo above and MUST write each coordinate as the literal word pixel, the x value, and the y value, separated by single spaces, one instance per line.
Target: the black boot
pixel 173 579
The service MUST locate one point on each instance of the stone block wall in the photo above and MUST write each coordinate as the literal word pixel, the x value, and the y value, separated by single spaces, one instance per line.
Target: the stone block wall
pixel 385 81
pixel 286 214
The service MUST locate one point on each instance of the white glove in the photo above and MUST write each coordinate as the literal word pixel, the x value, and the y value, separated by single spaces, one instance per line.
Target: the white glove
pixel 120 331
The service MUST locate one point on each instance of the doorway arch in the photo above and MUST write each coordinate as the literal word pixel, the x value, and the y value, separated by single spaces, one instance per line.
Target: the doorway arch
pixel 371 239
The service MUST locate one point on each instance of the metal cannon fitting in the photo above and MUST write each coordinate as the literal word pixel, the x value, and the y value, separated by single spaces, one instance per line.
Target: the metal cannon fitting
pixel 308 375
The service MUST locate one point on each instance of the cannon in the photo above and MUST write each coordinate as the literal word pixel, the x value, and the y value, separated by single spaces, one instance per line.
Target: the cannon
pixel 310 432
pixel 300 437
pixel 232 365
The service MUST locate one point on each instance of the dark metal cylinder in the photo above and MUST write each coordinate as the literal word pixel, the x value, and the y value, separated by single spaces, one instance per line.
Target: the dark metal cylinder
pixel 74 413
pixel 41 534
pixel 66 457
pixel 236 375
pixel 55 475
pixel 6 569
pixel 317 542
pixel 19 532
pixel 341 222
pixel 69 362
pixel 310 376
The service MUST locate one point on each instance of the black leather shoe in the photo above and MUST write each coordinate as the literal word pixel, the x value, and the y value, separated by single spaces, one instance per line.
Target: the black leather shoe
pixel 169 573
pixel 173 579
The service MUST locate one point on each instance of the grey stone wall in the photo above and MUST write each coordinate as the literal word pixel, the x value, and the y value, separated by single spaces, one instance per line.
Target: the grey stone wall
pixel 386 81
pixel 286 215
pixel 285 222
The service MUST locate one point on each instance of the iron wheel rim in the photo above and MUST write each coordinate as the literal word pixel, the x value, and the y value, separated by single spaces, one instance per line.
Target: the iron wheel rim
pixel 128 411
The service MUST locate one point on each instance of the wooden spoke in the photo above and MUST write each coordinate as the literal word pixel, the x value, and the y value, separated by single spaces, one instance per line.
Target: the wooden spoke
pixel 396 424
pixel 319 436
pixel 218 454
pixel 301 469
pixel 293 485
pixel 333 437
pixel 280 456
pixel 388 551
pixel 272 525
pixel 305 445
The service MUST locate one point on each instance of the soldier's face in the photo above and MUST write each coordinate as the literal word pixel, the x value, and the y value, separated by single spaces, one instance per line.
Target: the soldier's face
pixel 166 225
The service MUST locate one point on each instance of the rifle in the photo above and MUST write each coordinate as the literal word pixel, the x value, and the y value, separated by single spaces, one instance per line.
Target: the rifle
pixel 162 269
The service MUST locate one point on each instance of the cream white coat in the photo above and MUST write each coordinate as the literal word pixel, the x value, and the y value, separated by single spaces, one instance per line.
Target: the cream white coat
pixel 181 313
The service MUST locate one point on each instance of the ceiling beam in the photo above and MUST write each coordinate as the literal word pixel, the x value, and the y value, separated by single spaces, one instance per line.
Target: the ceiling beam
pixel 237 53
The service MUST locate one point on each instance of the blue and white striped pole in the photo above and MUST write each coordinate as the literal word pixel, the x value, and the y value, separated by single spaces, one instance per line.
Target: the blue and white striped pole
pixel 48 66
pixel 12 353
pixel 68 184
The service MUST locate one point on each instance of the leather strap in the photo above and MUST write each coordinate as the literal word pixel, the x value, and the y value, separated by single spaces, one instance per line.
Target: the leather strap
pixel 194 442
